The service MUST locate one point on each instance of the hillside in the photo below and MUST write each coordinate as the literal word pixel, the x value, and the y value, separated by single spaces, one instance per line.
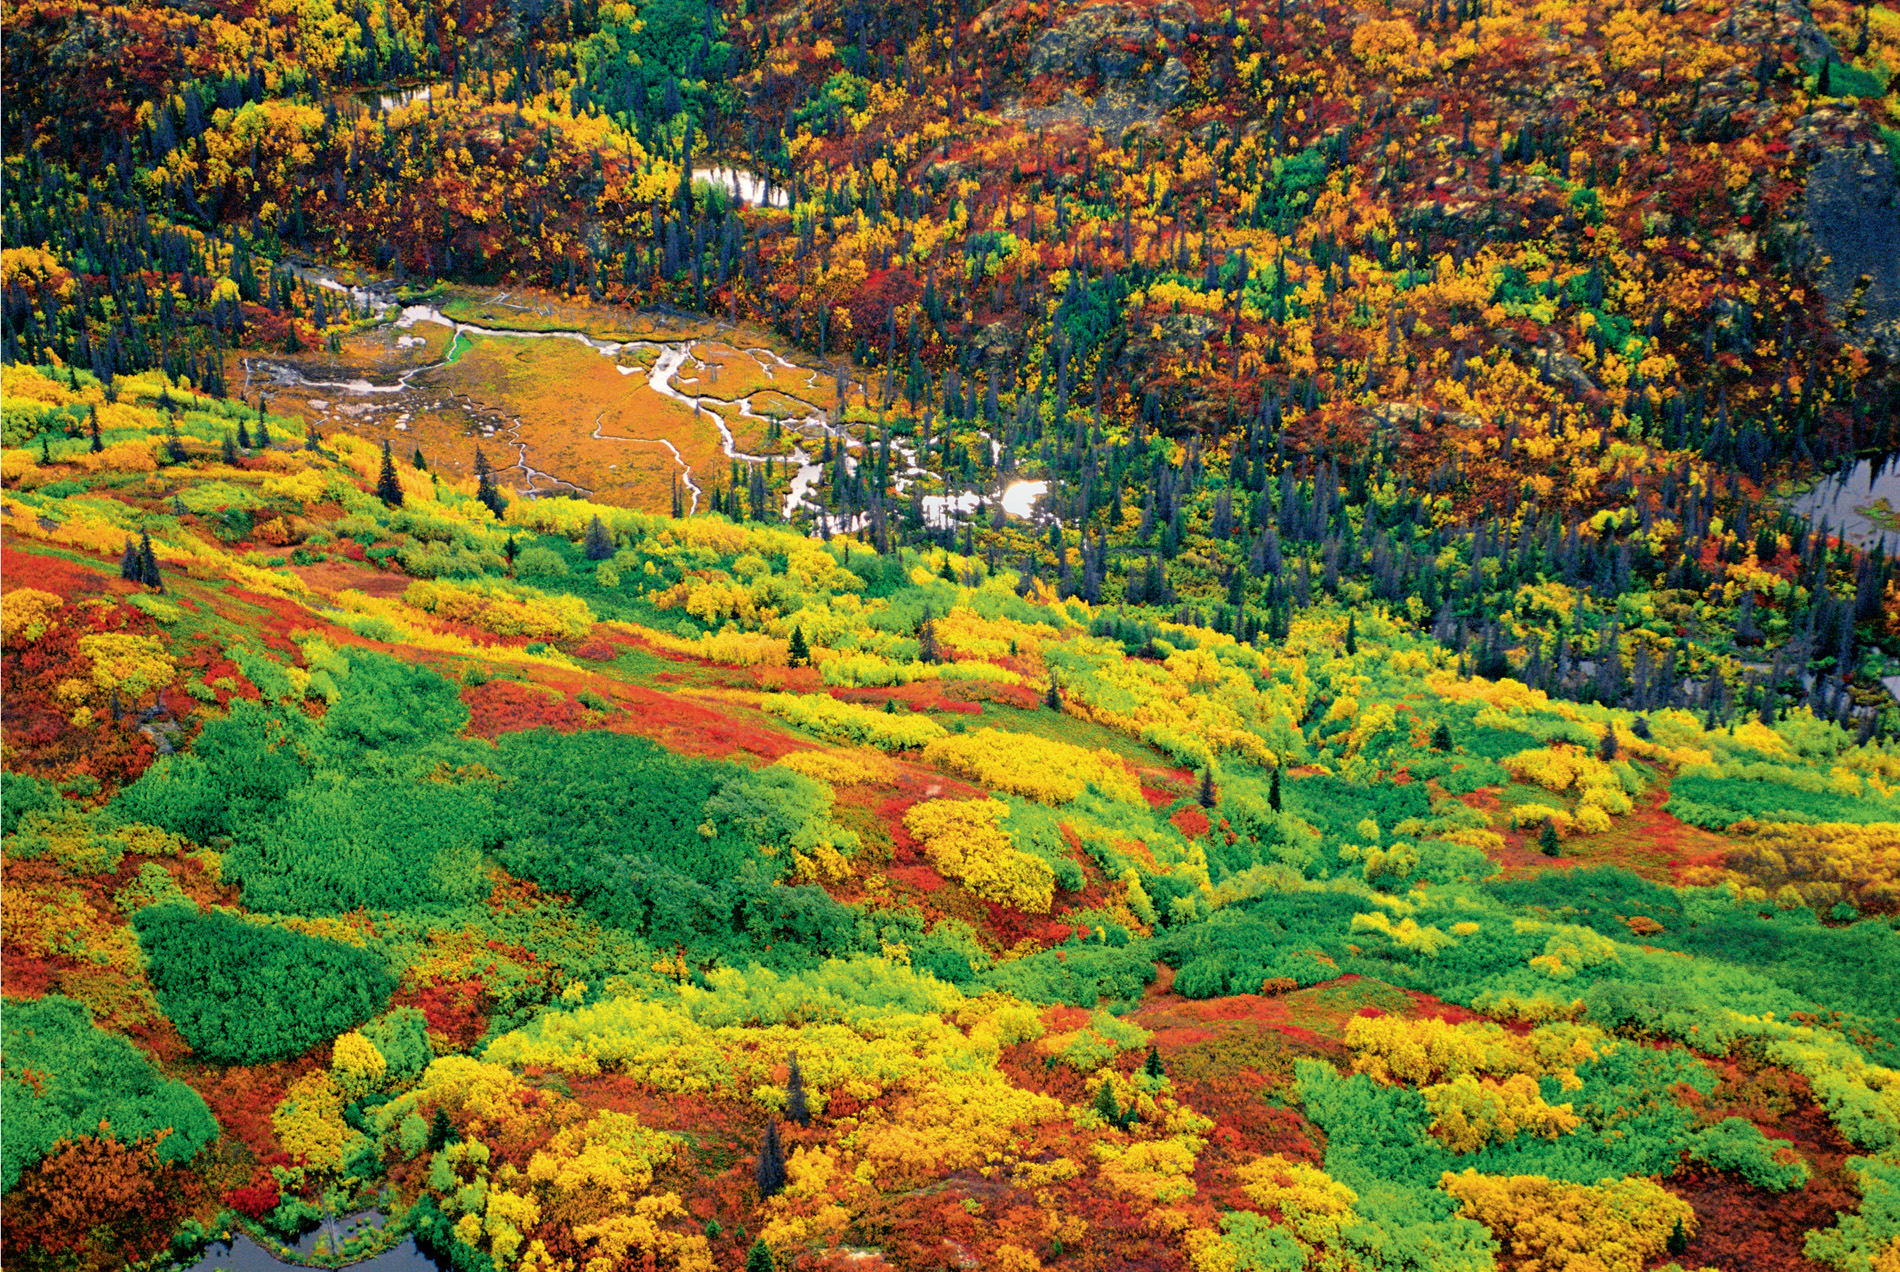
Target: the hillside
pixel 1104 637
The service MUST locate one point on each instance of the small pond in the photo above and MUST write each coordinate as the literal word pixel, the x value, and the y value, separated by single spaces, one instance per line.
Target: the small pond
pixel 1852 502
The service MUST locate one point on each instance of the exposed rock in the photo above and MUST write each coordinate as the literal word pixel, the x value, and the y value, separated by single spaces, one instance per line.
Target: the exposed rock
pixel 1115 46
pixel 1852 216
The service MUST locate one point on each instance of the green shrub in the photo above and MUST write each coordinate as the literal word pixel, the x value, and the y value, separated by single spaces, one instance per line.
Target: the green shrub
pixel 63 1075
pixel 1077 975
pixel 244 993
pixel 1738 1145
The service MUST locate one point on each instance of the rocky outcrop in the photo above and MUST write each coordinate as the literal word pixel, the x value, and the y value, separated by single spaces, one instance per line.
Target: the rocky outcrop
pixel 1126 53
pixel 1851 215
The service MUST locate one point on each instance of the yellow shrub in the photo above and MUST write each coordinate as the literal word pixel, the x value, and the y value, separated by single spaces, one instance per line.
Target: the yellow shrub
pixel 1470 1112
pixel 965 843
pixel 131 664
pixel 309 1122
pixel 1036 768
pixel 1615 1226
pixel 841 768
pixel 356 1066
pixel 503 611
pixel 26 613
pixel 848 722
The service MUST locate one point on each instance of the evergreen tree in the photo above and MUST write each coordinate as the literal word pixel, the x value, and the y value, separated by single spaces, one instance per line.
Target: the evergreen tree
pixel 598 545
pixel 511 550
pixel 1053 698
pixel 760 1259
pixel 148 564
pixel 311 438
pixel 228 451
pixel 1273 792
pixel 46 456
pixel 771 1168
pixel 489 494
pixel 263 434
pixel 1547 838
pixel 798 653
pixel 174 444
pixel 1352 634
pixel 441 1132
pixel 890 706
pixel 1678 1241
pixel 243 436
pixel 421 464
pixel 1606 745
pixel 129 564
pixel 388 486
pixel 1152 1066
pixel 1207 797
pixel 795 1106
pixel 1106 1103
pixel 97 444
pixel 1641 728
pixel 927 650
pixel 1441 737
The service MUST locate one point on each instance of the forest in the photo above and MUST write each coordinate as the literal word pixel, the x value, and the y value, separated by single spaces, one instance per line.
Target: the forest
pixel 719 634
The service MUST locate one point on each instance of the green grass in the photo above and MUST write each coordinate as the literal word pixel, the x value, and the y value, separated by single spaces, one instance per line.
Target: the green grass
pixel 1061 727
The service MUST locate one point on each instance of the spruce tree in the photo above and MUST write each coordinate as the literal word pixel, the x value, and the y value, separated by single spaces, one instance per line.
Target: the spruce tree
pixel 798 653
pixel 1606 745
pixel 263 434
pixel 46 456
pixel 511 550
pixel 97 444
pixel 129 565
pixel 760 1259
pixel 243 436
pixel 1352 634
pixel 1678 1241
pixel 148 564
pixel 1152 1066
pixel 796 1109
pixel 421 464
pixel 1273 792
pixel 311 438
pixel 1547 838
pixel 441 1132
pixel 1106 1104
pixel 598 545
pixel 1053 698
pixel 771 1168
pixel 1441 737
pixel 228 451
pixel 491 497
pixel 388 486
pixel 1207 796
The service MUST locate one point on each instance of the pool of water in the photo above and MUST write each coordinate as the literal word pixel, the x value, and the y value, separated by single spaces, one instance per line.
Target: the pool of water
pixel 1847 500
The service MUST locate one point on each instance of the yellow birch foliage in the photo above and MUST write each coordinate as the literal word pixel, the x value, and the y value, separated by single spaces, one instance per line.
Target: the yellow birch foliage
pixel 1036 768
pixel 309 1122
pixel 26 613
pixel 506 612
pixel 1425 1052
pixel 1469 1112
pixel 965 842
pixel 1546 1226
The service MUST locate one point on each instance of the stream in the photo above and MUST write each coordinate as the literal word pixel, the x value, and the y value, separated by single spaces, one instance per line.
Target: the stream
pixel 1839 499
pixel 671 358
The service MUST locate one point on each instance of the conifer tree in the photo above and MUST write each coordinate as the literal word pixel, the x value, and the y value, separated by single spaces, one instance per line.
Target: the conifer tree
pixel 1273 792
pixel 760 1259
pixel 243 436
pixel 1606 745
pixel 441 1132
pixel 598 545
pixel 1053 698
pixel 1106 1103
pixel 263 434
pixel 46 456
pixel 771 1168
pixel 798 653
pixel 1678 1240
pixel 148 564
pixel 1207 795
pixel 97 444
pixel 388 486
pixel 795 1107
pixel 228 452
pixel 311 438
pixel 130 568
pixel 1441 737
pixel 511 550
pixel 1352 634
pixel 1547 838
pixel 421 464
pixel 1152 1066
